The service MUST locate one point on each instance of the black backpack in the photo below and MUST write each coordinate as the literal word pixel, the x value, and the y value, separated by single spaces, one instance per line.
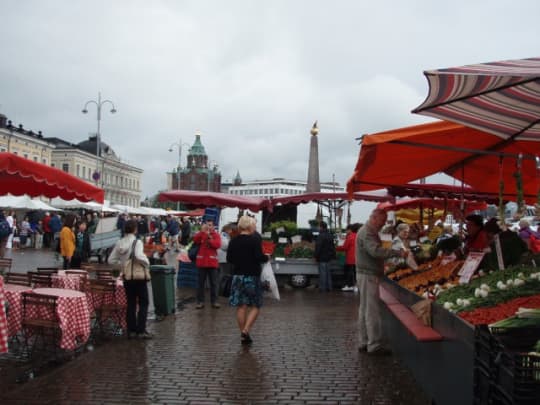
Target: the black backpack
pixel 5 229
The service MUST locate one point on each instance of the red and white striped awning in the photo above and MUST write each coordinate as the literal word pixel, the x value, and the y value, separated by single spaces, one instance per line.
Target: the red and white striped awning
pixel 502 98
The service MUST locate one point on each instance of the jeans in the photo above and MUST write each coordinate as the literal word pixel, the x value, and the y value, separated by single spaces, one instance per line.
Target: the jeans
pixel 369 316
pixel 325 277
pixel 136 293
pixel 212 275
pixel 349 271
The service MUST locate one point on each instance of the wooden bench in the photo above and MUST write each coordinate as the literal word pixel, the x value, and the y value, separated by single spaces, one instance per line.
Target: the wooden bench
pixel 5 264
pixel 408 319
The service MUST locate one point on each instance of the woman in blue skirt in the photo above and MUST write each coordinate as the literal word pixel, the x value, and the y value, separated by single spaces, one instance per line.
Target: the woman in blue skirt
pixel 246 256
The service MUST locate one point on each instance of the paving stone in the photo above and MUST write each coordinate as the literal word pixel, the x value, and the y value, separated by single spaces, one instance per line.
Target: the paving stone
pixel 304 352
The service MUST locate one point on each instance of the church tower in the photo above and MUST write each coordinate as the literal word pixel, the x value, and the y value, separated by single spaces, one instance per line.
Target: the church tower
pixel 313 182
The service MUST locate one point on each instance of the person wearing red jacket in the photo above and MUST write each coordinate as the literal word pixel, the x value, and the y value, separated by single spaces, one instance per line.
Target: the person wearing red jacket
pixel 349 247
pixel 207 262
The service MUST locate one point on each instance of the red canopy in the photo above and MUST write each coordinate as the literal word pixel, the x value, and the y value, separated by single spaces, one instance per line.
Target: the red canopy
pixel 209 199
pixel 441 191
pixel 450 205
pixel 20 176
pixel 308 197
pixel 397 157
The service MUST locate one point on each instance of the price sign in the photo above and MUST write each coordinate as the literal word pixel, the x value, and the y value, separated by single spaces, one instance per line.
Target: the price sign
pixel 469 267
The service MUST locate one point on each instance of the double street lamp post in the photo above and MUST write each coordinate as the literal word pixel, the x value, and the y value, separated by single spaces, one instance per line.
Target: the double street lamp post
pixel 179 145
pixel 99 103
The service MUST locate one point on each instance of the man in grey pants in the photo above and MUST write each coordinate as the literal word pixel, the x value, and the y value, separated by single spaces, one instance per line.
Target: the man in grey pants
pixel 370 256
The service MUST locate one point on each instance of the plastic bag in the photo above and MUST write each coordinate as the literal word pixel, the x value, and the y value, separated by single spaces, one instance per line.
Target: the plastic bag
pixel 268 277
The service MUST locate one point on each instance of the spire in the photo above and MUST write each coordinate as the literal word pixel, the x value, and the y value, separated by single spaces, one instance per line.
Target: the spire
pixel 313 182
pixel 237 180
pixel 197 148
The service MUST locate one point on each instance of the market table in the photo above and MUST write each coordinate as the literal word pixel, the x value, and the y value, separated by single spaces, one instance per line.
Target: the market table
pixel 3 320
pixel 71 281
pixel 73 314
pixel 13 296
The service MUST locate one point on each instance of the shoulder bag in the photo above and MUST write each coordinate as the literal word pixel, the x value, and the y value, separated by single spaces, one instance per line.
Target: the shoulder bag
pixel 133 269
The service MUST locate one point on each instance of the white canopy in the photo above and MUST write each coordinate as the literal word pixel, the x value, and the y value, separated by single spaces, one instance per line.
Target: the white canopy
pixel 74 204
pixel 24 202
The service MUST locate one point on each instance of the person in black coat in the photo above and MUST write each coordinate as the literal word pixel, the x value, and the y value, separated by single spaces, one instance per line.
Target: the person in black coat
pixel 82 246
pixel 325 251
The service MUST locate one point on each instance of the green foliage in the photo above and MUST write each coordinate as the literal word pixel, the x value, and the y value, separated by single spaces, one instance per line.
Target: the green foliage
pixel 302 251
pixel 290 229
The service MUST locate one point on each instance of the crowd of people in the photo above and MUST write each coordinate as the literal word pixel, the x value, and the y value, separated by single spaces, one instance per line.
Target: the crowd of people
pixel 236 251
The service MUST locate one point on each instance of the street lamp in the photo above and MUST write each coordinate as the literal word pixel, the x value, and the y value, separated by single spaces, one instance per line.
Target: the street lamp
pixel 99 103
pixel 179 145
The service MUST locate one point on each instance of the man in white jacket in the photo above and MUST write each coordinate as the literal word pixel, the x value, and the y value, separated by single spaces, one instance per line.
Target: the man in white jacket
pixel 136 290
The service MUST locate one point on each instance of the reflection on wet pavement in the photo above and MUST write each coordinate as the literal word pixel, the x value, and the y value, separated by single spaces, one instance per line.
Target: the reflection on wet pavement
pixel 304 351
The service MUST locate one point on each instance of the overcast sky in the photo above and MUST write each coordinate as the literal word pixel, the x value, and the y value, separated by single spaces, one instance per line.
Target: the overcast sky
pixel 251 76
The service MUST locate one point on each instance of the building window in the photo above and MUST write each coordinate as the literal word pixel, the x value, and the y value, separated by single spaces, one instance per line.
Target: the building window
pixel 3 150
pixel 26 155
pixel 35 158
pixel 65 167
pixel 78 170
pixel 44 161
pixel 84 172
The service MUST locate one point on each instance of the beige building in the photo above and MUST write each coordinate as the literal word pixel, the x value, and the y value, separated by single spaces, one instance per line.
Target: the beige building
pixel 121 181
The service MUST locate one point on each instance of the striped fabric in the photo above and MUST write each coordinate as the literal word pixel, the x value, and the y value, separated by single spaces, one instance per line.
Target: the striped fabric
pixel 502 98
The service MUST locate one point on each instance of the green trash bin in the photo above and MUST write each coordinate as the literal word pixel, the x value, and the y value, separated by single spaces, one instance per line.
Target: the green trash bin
pixel 163 289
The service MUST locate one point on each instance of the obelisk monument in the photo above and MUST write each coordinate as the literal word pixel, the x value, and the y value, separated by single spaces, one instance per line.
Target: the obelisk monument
pixel 313 182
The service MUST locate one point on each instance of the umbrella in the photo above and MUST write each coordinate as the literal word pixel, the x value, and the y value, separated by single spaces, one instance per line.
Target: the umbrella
pixel 20 176
pixel 400 156
pixel 502 98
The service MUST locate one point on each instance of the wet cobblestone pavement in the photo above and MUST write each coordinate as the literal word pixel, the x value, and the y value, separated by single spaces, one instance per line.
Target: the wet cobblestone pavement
pixel 304 352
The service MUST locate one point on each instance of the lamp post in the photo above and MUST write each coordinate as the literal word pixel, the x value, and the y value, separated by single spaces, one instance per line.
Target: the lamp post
pixel 99 103
pixel 179 145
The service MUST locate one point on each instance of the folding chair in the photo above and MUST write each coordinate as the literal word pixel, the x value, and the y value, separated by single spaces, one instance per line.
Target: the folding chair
pixel 83 279
pixel 5 265
pixel 40 280
pixel 105 275
pixel 47 270
pixel 17 278
pixel 40 323
pixel 107 313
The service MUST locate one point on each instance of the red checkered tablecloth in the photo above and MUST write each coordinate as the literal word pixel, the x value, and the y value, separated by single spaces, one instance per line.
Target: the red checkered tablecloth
pixel 74 316
pixel 67 281
pixel 3 320
pixel 13 294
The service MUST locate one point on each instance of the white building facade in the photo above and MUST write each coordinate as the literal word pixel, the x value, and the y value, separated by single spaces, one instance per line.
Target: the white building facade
pixel 120 181
pixel 278 187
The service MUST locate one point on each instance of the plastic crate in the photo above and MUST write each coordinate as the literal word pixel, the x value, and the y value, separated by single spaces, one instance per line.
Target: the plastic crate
pixel 188 275
pixel 516 377
pixel 483 347
pixel 517 339
pixel 482 385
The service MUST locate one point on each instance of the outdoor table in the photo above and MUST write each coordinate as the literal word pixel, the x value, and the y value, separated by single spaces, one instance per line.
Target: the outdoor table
pixel 118 298
pixel 13 295
pixel 73 314
pixel 68 281
pixel 3 320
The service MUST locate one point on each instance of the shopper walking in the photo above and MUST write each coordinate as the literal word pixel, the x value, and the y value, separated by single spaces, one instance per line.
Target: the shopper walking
pixel 246 256
pixel 370 256
pixel 136 289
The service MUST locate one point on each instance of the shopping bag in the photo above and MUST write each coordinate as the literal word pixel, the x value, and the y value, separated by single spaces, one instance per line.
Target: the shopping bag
pixel 268 278
pixel 225 285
